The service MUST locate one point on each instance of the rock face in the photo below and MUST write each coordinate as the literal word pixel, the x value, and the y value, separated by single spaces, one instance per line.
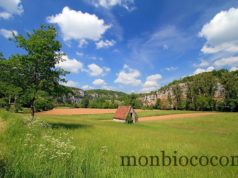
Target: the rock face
pixel 78 94
pixel 167 97
pixel 74 97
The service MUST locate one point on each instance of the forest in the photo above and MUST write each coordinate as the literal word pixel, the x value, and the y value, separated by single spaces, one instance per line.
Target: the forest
pixel 208 91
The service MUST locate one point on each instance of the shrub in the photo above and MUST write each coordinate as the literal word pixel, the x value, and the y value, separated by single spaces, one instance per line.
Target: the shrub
pixel 43 105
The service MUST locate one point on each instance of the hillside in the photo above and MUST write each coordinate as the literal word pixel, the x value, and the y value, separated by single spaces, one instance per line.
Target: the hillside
pixel 107 94
pixel 216 90
pixel 97 98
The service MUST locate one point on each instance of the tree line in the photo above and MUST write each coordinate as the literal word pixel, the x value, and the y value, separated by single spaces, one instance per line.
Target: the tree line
pixel 209 91
pixel 102 99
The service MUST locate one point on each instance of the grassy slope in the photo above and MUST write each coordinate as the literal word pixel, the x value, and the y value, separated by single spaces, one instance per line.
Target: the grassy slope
pixel 211 135
pixel 96 137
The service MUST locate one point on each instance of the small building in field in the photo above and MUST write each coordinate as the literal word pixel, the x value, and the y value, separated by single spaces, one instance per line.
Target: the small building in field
pixel 125 114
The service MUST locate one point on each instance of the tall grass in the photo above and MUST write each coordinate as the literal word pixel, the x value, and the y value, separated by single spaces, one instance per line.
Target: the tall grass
pixel 38 150
pixel 90 146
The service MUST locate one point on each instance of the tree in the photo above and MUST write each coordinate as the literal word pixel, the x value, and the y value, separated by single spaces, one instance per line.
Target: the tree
pixel 177 95
pixel 189 97
pixel 133 101
pixel 230 84
pixel 10 81
pixel 84 102
pixel 157 104
pixel 2 56
pixel 170 101
pixel 39 72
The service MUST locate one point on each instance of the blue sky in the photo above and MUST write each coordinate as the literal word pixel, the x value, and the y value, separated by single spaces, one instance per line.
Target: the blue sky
pixel 130 45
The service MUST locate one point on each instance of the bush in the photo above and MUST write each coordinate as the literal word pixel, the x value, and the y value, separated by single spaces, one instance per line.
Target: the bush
pixel 43 104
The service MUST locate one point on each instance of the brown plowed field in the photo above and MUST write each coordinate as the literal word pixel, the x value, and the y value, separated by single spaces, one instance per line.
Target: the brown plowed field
pixel 76 111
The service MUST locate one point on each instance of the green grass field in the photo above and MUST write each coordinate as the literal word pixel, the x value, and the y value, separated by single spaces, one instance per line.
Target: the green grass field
pixel 91 145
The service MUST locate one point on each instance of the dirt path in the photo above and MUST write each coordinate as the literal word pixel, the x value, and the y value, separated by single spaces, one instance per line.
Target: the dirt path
pixel 78 111
pixel 175 116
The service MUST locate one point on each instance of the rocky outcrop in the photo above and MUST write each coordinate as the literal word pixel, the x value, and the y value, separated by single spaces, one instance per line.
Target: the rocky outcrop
pixel 77 95
pixel 166 94
pixel 73 97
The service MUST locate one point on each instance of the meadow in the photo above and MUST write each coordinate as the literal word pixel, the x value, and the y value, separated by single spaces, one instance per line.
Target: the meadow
pixel 91 145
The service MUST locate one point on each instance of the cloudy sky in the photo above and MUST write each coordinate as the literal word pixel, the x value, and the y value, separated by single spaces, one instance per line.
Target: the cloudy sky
pixel 130 45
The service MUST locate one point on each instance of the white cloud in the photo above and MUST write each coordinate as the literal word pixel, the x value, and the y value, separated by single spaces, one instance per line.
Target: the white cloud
pixel 104 44
pixel 229 61
pixel 95 70
pixel 127 4
pixel 203 63
pixel 5 15
pixel 70 83
pixel 11 6
pixel 107 3
pixel 198 71
pixel 234 69
pixel 96 58
pixel 230 47
pixel 201 70
pixel 154 77
pixel 209 69
pixel 151 83
pixel 82 43
pixel 128 76
pixel 70 65
pixel 221 35
pixel 79 54
pixel 106 69
pixel 7 33
pixel 221 32
pixel 87 87
pixel 171 68
pixel 76 25
pixel 99 82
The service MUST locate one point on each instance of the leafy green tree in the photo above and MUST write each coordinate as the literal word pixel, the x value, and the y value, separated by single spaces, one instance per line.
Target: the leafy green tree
pixel 189 97
pixel 39 72
pixel 230 84
pixel 133 101
pixel 177 95
pixel 10 81
pixel 170 101
pixel 157 104
pixel 2 56
pixel 84 102
pixel 43 101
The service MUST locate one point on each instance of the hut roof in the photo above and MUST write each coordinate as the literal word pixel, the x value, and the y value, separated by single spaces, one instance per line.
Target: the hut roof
pixel 122 112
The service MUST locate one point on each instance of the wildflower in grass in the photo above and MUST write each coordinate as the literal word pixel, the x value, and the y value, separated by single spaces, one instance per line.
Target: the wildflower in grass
pixel 56 148
pixel 48 146
pixel 104 149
